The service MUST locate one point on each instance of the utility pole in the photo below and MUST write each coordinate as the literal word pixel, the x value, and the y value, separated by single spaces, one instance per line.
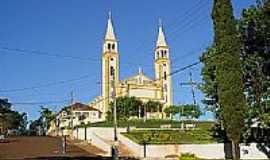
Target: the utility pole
pixel 115 144
pixel 190 83
pixel 71 108
pixel 71 97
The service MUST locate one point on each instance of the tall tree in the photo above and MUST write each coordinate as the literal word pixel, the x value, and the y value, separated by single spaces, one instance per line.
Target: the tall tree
pixel 46 116
pixel 229 73
pixel 255 36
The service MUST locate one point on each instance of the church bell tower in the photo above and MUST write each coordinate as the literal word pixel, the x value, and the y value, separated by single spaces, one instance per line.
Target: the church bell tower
pixel 110 66
pixel 163 67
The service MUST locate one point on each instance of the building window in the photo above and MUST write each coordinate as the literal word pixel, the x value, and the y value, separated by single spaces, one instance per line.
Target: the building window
pixel 165 76
pixel 165 87
pixel 109 46
pixel 113 46
pixel 111 59
pixel 162 53
pixel 111 71
pixel 165 53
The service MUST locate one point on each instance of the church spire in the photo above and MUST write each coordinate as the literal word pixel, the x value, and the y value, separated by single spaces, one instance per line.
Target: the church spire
pixel 110 33
pixel 161 37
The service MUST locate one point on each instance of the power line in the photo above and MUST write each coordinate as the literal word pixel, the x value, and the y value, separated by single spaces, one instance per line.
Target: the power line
pixel 43 53
pixel 39 103
pixel 171 74
pixel 185 19
pixel 44 85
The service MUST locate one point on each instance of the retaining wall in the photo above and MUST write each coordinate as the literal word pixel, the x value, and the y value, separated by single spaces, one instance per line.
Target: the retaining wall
pixel 102 138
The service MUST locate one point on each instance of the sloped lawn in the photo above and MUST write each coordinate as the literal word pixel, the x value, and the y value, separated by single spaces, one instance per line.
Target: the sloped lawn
pixel 150 123
pixel 198 136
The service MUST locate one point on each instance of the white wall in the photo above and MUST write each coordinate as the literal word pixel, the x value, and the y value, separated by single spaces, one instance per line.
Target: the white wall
pixel 251 152
pixel 96 140
pixel 102 138
pixel 81 134
pixel 210 151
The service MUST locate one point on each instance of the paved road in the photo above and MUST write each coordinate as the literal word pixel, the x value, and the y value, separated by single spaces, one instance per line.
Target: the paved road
pixel 41 148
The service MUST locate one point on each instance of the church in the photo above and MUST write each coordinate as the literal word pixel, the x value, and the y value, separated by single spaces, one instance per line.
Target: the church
pixel 138 85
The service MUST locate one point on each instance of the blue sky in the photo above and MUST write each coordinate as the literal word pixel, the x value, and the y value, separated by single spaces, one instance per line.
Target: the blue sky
pixel 76 29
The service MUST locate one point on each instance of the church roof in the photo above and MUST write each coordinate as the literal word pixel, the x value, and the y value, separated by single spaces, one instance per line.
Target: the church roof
pixel 110 32
pixel 138 78
pixel 161 41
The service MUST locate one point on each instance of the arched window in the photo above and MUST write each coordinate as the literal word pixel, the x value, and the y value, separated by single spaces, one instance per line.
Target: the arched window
pixel 113 46
pixel 109 46
pixel 165 53
pixel 111 59
pixel 162 53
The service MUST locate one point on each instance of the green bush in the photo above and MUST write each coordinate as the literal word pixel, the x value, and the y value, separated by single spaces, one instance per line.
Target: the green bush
pixel 188 156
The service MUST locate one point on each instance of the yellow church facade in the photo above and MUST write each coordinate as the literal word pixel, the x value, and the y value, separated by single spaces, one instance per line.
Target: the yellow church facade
pixel 140 86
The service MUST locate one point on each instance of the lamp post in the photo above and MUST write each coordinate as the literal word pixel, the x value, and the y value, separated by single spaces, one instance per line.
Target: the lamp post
pixel 115 144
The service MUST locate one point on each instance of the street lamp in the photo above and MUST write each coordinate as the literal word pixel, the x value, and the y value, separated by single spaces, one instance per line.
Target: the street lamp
pixel 115 144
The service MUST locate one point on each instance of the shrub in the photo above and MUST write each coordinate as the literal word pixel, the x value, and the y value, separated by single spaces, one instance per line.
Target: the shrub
pixel 188 156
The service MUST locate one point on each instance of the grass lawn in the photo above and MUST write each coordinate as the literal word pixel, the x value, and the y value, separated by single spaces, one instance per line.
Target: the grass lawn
pixel 198 136
pixel 151 132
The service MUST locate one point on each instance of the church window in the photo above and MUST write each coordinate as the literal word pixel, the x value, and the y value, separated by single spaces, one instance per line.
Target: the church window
pixel 165 87
pixel 165 53
pixel 162 53
pixel 113 46
pixel 165 76
pixel 164 65
pixel 111 71
pixel 111 59
pixel 109 46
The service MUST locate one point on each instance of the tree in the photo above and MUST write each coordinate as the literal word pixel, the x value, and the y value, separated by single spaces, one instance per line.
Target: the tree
pixel 153 106
pixel 228 72
pixel 172 110
pixel 186 110
pixel 10 119
pixel 46 116
pixel 210 89
pixel 126 107
pixel 35 127
pixel 255 37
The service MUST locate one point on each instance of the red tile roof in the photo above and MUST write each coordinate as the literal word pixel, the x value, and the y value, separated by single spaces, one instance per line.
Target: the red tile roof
pixel 82 107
